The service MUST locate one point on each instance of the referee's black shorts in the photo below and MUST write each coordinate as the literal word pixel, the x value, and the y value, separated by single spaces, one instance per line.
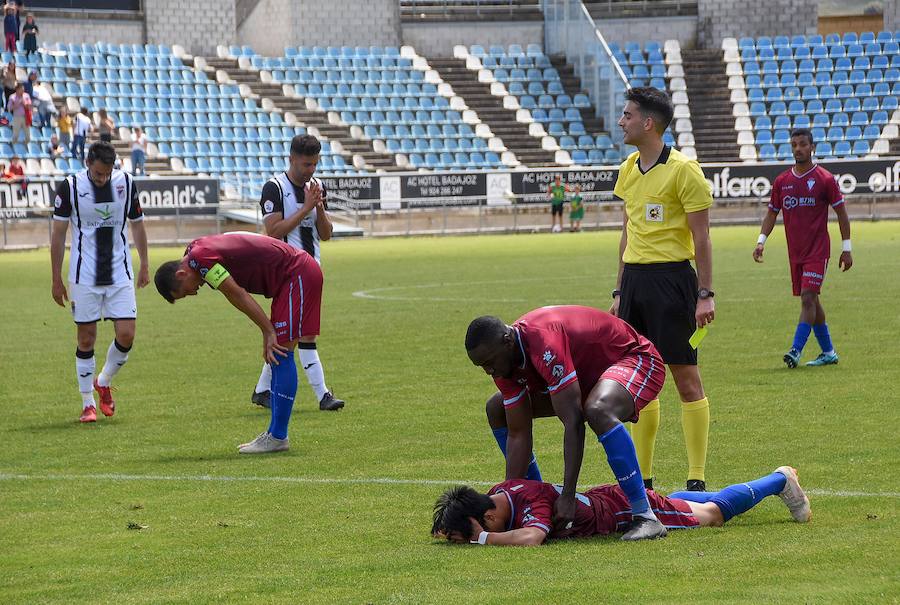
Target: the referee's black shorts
pixel 659 301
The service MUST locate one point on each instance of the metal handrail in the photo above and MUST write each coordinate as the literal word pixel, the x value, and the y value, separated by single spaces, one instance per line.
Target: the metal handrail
pixel 606 48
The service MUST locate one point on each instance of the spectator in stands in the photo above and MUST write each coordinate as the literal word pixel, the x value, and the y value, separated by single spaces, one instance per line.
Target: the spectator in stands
pixel 138 151
pixel 43 103
pixel 15 172
pixel 107 125
pixel 30 32
pixel 9 81
pixel 64 124
pixel 19 105
pixel 10 27
pixel 82 128
pixel 55 149
pixel 29 84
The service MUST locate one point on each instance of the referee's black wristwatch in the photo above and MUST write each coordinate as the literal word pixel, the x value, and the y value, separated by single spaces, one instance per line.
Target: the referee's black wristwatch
pixel 705 293
pixel 616 292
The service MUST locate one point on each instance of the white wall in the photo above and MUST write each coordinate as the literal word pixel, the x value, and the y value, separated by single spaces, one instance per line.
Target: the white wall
pixel 89 31
pixel 268 28
pixel 719 19
pixel 197 25
pixel 660 29
pixel 346 23
pixel 438 39
pixel 892 15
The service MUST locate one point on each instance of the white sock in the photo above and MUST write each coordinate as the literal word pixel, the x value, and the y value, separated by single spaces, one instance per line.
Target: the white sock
pixel 315 374
pixel 84 369
pixel 115 359
pixel 265 380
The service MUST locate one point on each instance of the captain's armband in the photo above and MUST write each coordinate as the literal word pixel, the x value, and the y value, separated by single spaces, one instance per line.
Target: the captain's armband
pixel 215 276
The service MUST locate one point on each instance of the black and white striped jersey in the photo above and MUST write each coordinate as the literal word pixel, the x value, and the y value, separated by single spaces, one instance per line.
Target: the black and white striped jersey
pixel 279 194
pixel 100 255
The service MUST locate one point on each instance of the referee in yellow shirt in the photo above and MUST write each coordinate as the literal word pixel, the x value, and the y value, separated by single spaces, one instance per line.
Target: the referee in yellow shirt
pixel 666 224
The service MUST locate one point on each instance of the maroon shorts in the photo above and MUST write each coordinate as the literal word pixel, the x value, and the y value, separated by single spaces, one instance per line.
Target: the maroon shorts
pixel 297 306
pixel 642 374
pixel 808 276
pixel 613 511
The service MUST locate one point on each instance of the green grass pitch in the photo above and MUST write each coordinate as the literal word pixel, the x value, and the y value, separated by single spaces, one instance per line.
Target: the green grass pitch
pixel 344 516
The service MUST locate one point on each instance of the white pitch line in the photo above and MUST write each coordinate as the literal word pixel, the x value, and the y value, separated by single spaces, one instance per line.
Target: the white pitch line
pixel 344 481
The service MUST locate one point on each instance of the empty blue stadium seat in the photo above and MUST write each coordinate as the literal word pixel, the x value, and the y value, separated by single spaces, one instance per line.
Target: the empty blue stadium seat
pixel 860 147
pixel 767 152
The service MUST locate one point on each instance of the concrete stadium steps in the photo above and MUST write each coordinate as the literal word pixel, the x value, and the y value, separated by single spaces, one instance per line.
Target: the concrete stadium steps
pixel 352 148
pixel 490 110
pixel 711 107
pixel 572 85
pixel 895 147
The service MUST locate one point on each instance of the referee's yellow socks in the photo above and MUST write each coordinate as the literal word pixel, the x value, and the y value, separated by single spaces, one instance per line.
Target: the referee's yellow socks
pixel 695 424
pixel 643 433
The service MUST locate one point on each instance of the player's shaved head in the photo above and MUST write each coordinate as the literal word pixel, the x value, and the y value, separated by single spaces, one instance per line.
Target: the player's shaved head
pixel 453 509
pixel 166 281
pixel 485 330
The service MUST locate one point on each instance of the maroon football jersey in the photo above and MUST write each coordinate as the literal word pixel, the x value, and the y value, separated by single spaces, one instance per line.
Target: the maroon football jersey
pixel 258 263
pixel 601 510
pixel 563 344
pixel 805 199
pixel 532 503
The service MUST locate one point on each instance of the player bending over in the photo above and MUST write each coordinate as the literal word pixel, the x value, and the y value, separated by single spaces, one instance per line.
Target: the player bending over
pixel 238 265
pixel 804 193
pixel 519 512
pixel 583 366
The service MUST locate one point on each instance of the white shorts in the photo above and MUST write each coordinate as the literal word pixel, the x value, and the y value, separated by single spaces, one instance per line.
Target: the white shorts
pixel 93 303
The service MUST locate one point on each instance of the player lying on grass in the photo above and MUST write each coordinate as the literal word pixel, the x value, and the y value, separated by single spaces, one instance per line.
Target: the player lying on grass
pixel 519 512
pixel 583 366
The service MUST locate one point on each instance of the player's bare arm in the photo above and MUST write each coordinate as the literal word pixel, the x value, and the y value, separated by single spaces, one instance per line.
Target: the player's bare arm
pixel 323 223
pixel 846 260
pixel 765 229
pixel 519 440
pixel 524 536
pixel 244 302
pixel 57 251
pixel 139 233
pixel 698 223
pixel 623 242
pixel 278 226
pixel 567 405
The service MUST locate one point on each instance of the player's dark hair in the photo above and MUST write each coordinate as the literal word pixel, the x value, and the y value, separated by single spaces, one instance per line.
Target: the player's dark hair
pixel 654 103
pixel 484 329
pixel 453 509
pixel 166 281
pixel 102 152
pixel 305 144
pixel 804 132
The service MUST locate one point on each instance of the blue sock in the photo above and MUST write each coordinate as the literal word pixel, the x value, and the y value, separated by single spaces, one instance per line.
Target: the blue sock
pixel 741 497
pixel 500 435
pixel 622 460
pixel 694 496
pixel 284 389
pixel 824 337
pixel 801 336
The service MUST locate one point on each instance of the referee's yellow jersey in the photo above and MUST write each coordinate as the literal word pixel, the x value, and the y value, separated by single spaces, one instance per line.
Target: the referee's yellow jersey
pixel 657 203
